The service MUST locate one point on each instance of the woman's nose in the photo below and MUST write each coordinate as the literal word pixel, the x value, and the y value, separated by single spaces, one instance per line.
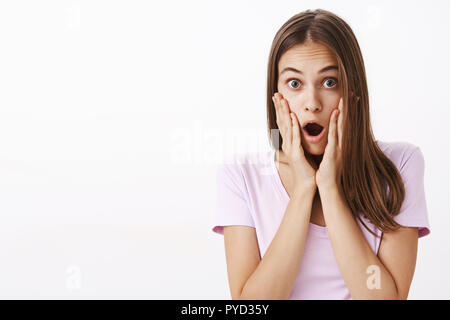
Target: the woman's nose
pixel 312 108
pixel 311 103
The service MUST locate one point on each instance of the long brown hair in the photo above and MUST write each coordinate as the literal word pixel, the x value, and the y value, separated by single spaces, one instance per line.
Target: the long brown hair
pixel 366 170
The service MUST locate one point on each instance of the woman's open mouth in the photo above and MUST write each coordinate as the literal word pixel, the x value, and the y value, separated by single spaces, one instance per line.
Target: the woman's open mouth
pixel 313 132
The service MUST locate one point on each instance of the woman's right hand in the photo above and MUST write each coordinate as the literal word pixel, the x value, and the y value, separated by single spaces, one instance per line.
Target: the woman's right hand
pixel 288 124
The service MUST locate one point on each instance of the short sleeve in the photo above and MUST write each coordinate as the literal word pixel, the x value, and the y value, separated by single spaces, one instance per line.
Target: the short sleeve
pixel 413 212
pixel 232 198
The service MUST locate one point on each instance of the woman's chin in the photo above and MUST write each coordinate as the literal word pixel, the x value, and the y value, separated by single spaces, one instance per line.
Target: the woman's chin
pixel 315 150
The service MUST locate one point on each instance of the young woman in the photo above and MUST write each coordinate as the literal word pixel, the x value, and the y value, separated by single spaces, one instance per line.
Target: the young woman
pixel 333 213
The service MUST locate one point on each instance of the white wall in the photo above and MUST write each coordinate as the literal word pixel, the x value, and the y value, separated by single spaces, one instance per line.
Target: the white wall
pixel 103 102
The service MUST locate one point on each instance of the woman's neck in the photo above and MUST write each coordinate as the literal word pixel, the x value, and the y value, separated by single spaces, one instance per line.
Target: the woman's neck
pixel 316 158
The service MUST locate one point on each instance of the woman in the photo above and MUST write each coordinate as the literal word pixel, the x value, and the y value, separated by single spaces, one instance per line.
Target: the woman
pixel 340 213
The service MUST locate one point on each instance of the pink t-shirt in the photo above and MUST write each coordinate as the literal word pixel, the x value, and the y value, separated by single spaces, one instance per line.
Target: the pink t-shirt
pixel 250 193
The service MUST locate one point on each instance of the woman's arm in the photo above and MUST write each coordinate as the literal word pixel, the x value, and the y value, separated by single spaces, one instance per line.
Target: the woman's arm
pixel 358 264
pixel 273 276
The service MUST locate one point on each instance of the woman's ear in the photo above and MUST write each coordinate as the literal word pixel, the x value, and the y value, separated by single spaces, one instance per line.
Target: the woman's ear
pixel 353 97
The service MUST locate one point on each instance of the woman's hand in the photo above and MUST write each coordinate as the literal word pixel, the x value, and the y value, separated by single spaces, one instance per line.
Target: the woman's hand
pixel 304 173
pixel 329 172
pixel 330 169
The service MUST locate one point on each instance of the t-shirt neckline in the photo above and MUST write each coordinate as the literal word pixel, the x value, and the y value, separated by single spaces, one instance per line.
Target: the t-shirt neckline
pixel 319 230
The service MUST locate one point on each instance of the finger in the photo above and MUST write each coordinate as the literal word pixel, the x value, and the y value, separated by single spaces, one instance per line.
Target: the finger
pixel 296 139
pixel 336 127
pixel 286 117
pixel 279 119
pixel 340 122
pixel 332 129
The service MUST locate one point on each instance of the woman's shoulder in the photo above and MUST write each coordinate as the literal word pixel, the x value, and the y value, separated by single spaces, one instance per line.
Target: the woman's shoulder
pixel 396 147
pixel 398 151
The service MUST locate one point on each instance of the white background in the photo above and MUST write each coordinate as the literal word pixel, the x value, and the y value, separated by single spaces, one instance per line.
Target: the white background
pixel 114 114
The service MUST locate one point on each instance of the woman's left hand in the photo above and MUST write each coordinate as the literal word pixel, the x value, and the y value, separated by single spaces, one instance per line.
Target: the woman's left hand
pixel 329 172
pixel 330 169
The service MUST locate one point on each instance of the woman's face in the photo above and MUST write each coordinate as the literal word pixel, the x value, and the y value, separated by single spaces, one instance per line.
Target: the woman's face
pixel 311 91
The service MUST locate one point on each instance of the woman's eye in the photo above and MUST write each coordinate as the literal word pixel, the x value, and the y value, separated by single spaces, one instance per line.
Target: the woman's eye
pixel 328 83
pixel 295 82
pixel 331 82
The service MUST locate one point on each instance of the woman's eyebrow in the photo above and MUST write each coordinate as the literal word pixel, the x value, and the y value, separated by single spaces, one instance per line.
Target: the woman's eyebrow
pixel 333 67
